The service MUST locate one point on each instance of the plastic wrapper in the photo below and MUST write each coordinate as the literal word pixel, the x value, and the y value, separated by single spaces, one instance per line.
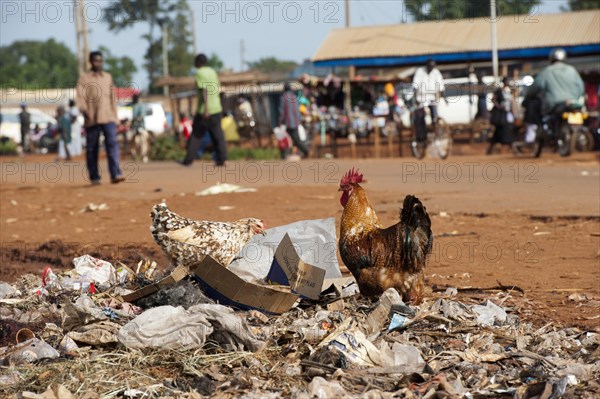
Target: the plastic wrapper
pixel 323 389
pixel 102 273
pixel 166 327
pixel 6 290
pixel 489 313
pixel 28 352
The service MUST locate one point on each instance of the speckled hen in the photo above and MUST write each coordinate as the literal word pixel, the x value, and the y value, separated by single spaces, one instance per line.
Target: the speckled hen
pixel 187 242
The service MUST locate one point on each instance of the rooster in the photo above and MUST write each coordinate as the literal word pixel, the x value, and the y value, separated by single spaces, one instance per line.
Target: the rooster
pixel 186 242
pixel 381 258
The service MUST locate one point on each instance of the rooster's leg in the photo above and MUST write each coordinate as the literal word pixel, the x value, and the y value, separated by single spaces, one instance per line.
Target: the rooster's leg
pixel 415 294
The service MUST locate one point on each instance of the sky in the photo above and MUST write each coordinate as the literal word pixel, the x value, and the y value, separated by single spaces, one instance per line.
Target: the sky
pixel 290 30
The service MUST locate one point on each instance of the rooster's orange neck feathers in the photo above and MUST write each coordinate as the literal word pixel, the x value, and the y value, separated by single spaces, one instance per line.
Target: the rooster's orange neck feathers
pixel 359 216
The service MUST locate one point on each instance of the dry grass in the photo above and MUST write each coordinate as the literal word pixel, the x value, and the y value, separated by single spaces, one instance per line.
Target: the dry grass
pixel 109 373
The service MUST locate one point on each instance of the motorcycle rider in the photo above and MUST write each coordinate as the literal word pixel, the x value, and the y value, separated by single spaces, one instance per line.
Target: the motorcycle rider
pixel 559 84
pixel 428 87
pixel 141 136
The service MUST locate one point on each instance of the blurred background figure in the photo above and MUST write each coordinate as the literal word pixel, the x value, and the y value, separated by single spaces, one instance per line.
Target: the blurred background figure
pixel 209 114
pixel 592 90
pixel 185 127
pixel 501 116
pixel 25 121
pixel 428 84
pixel 64 132
pixel 76 126
pixel 289 111
pixel 100 114
pixel 482 111
pixel 140 142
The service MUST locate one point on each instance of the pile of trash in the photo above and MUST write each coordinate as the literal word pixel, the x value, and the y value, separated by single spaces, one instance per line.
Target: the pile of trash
pixel 73 335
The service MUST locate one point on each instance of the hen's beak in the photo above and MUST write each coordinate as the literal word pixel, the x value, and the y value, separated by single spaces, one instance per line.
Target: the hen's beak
pixel 340 189
pixel 263 230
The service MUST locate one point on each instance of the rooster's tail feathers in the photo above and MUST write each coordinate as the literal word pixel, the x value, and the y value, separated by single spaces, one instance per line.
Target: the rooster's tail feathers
pixel 418 239
pixel 414 214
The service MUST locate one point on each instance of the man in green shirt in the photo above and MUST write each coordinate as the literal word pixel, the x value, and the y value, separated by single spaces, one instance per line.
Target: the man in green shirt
pixel 208 115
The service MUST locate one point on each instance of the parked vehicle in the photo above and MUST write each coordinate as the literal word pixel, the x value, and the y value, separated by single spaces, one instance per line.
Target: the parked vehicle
pixel 11 127
pixel 155 120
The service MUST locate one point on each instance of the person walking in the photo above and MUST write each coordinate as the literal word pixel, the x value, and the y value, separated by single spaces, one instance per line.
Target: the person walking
pixel 289 115
pixel 208 115
pixel 75 115
pixel 96 101
pixel 64 130
pixel 25 121
pixel 502 117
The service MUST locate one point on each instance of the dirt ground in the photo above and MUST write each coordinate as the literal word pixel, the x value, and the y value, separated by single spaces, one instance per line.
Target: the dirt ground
pixel 499 219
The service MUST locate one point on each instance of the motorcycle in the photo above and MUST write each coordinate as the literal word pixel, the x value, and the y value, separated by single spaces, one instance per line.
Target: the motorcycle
pixel 563 130
pixel 429 137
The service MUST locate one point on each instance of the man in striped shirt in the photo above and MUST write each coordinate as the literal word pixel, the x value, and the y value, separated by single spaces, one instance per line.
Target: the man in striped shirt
pixel 289 115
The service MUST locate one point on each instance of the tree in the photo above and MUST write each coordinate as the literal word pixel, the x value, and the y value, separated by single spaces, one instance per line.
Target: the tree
pixel 577 5
pixel 215 62
pixel 173 16
pixel 434 10
pixel 124 14
pixel 28 64
pixel 180 41
pixel 121 68
pixel 272 64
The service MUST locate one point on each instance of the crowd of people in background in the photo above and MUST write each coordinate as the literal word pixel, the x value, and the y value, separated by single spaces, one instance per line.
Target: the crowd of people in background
pixel 69 129
pixel 326 98
pixel 298 104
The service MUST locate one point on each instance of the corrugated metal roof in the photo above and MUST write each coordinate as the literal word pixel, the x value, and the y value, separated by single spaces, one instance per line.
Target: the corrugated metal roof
pixel 443 37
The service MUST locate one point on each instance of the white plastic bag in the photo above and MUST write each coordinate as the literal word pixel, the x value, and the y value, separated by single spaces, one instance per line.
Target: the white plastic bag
pixel 510 118
pixel 489 314
pixel 166 327
pixel 302 133
pixel 102 273
pixel 280 132
pixel 530 133
pixel 176 328
pixel 315 241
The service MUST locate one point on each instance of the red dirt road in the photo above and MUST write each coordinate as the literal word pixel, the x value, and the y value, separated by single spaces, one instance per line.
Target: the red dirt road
pixel 531 223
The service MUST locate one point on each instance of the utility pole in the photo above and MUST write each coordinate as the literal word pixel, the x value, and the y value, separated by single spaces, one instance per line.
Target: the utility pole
pixel 193 20
pixel 242 50
pixel 351 68
pixel 86 47
pixel 494 39
pixel 80 67
pixel 165 55
pixel 347 13
pixel 83 50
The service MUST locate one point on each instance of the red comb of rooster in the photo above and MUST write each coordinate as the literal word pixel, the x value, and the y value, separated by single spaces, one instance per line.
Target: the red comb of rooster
pixel 353 176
